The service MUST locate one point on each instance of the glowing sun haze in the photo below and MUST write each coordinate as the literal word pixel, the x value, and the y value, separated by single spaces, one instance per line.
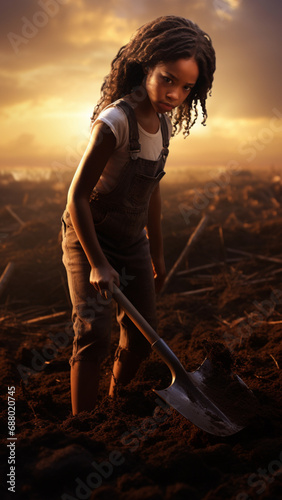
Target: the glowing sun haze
pixel 55 54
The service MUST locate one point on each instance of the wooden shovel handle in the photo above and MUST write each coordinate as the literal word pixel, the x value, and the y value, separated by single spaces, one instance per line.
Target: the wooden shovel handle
pixel 157 344
pixel 148 332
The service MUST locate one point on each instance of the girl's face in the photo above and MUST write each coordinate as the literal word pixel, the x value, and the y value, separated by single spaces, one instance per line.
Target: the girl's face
pixel 169 84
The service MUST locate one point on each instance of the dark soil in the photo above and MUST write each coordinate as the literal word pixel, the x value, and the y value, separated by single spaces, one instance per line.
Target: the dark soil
pixel 136 447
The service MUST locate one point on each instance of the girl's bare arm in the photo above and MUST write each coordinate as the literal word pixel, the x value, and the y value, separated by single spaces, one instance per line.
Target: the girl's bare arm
pixel 154 231
pixel 97 153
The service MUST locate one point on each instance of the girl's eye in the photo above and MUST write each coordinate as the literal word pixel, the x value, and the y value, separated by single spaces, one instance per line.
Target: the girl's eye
pixel 167 79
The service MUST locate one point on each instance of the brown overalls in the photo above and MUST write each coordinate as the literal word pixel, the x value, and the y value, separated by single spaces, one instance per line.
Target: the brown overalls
pixel 120 217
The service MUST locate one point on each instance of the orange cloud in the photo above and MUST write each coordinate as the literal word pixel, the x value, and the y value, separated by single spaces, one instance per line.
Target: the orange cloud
pixel 49 88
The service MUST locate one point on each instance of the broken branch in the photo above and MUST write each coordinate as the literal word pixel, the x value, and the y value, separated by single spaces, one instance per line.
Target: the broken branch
pixel 14 215
pixel 6 276
pixel 190 243
pixel 40 319
pixel 274 361
pixel 255 256
pixel 200 290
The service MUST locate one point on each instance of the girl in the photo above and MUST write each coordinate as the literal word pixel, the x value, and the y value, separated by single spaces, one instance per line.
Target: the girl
pixel 157 78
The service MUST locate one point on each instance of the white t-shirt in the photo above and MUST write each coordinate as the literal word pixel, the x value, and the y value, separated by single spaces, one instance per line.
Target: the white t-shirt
pixel 151 146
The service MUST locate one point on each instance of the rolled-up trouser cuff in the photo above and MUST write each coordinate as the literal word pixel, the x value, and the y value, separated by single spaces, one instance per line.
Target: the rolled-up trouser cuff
pixel 140 356
pixel 92 335
pixel 96 358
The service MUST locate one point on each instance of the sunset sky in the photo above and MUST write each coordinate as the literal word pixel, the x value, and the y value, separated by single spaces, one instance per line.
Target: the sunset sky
pixel 53 64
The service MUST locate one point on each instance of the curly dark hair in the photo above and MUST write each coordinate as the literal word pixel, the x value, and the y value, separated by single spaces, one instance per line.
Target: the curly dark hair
pixel 164 39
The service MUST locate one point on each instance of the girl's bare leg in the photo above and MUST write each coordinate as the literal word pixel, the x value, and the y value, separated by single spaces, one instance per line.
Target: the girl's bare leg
pixel 84 385
pixel 124 369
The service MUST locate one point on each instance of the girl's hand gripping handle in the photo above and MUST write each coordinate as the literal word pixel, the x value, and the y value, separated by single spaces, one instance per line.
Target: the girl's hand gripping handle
pixel 103 278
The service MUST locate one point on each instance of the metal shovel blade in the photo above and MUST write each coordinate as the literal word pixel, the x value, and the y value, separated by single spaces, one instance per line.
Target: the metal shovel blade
pixel 218 403
pixel 211 397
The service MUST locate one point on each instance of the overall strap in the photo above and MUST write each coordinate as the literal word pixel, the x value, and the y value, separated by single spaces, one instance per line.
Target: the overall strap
pixel 134 145
pixel 164 128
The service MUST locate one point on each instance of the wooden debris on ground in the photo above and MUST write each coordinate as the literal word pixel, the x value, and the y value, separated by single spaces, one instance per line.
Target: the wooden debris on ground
pixel 6 276
pixel 184 254
pixel 14 215
pixel 253 211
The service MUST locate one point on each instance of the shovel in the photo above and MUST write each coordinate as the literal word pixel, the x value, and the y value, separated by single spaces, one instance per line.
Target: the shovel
pixel 212 397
